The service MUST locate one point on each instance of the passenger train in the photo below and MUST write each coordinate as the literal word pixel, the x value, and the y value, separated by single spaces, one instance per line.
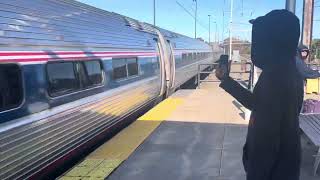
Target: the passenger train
pixel 69 73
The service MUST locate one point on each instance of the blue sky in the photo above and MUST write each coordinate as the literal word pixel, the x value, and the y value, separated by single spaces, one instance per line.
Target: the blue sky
pixel 173 17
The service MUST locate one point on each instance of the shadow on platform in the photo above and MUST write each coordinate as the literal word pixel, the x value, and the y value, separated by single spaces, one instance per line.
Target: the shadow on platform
pixel 240 107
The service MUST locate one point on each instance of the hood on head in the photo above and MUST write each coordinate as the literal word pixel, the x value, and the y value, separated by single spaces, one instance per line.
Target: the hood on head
pixel 302 46
pixel 275 38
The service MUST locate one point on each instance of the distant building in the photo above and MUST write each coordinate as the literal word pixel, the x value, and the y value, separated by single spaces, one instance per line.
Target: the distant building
pixel 215 45
pixel 244 47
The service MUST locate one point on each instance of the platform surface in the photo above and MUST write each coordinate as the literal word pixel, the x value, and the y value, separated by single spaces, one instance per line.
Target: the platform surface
pixel 194 135
pixel 201 140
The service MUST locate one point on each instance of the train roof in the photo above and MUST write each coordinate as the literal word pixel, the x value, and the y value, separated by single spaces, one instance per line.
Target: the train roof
pixel 53 25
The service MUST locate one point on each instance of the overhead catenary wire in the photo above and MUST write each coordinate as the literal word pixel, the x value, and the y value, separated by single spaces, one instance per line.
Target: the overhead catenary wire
pixel 239 25
pixel 192 15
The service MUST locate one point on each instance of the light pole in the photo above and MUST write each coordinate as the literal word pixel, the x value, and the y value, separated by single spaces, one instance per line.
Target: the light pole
pixel 154 12
pixel 195 19
pixel 224 46
pixel 216 36
pixel 230 30
pixel 209 28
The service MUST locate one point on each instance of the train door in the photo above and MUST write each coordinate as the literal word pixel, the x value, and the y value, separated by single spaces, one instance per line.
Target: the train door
pixel 161 56
pixel 172 67
pixel 167 65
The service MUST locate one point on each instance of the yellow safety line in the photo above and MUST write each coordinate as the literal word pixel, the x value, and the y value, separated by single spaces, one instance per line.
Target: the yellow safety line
pixel 104 160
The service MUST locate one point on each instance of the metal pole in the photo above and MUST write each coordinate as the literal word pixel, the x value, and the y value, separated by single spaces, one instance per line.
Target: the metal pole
pixel 216 34
pixel 195 19
pixel 230 30
pixel 209 28
pixel 307 22
pixel 224 46
pixel 154 12
pixel 291 6
pixel 199 75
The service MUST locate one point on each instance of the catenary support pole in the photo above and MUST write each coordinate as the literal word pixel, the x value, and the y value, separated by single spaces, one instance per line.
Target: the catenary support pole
pixel 230 29
pixel 209 28
pixel 291 5
pixel 154 12
pixel 195 19
pixel 307 22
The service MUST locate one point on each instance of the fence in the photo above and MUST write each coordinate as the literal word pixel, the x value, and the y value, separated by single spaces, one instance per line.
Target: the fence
pixel 207 69
pixel 210 69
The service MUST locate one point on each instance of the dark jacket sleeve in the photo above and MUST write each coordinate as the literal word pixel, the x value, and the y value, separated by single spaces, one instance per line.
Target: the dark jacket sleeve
pixel 305 71
pixel 243 95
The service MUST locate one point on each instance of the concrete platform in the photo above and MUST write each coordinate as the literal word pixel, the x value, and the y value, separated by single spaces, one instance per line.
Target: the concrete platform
pixel 194 135
pixel 202 139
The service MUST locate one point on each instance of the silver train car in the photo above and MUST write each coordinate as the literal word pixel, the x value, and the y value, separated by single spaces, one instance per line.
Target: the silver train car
pixel 69 73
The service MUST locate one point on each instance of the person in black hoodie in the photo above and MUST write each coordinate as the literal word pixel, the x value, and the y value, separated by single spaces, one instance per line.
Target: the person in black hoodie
pixel 303 69
pixel 272 150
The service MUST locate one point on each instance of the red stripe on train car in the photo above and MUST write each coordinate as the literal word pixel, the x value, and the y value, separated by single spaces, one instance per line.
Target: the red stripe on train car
pixel 116 55
pixel 67 53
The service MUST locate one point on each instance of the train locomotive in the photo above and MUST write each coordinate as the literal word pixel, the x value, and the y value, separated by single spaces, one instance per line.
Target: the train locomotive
pixel 70 72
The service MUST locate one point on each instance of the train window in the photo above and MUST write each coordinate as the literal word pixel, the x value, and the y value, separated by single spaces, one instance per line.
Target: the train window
pixel 189 56
pixel 125 67
pixel 62 78
pixel 93 72
pixel 184 57
pixel 119 68
pixel 198 55
pixel 178 59
pixel 133 69
pixel 194 56
pixel 11 91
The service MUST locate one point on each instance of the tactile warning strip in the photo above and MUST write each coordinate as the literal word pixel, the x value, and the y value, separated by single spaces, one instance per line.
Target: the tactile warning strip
pixel 100 163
